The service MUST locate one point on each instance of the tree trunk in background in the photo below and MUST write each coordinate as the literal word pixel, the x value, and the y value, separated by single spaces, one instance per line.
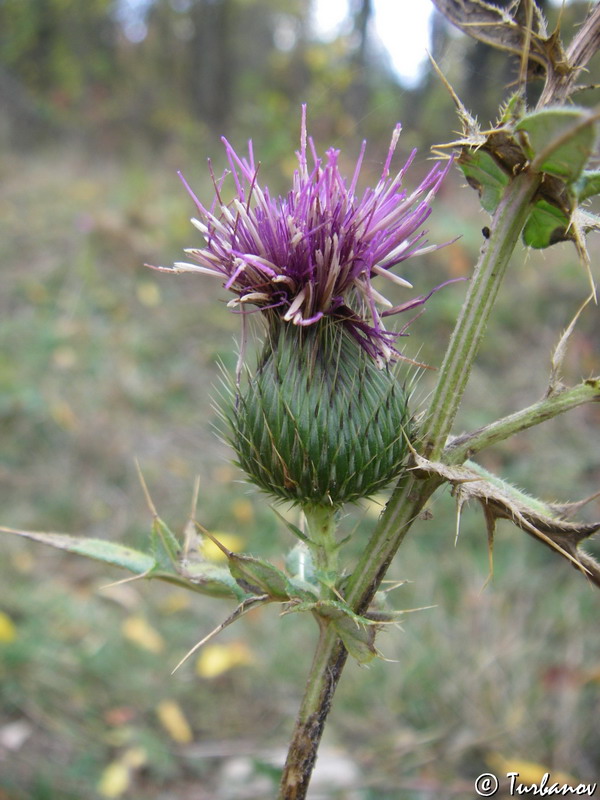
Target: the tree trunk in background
pixel 212 60
pixel 358 94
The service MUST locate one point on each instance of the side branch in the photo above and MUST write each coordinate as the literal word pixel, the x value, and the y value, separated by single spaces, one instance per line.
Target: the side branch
pixel 468 444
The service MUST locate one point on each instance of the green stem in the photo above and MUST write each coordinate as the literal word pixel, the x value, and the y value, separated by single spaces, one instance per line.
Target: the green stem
pixel 323 544
pixel 465 446
pixel 330 656
pixel 328 662
pixel 507 225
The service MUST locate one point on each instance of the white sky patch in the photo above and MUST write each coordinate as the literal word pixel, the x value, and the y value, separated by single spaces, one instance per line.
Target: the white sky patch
pixel 329 17
pixel 402 26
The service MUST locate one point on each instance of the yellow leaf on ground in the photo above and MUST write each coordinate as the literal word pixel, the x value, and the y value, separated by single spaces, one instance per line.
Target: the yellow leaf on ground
pixel 134 757
pixel 174 722
pixel 232 542
pixel 64 416
pixel 215 659
pixel 529 772
pixel 140 632
pixel 8 630
pixel 115 779
pixel 22 560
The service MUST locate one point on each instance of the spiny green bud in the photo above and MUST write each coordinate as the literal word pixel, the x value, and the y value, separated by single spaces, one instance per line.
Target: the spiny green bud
pixel 319 423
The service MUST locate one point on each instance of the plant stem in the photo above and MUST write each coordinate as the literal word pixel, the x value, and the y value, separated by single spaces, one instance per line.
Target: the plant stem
pixel 465 446
pixel 468 333
pixel 323 544
pixel 328 662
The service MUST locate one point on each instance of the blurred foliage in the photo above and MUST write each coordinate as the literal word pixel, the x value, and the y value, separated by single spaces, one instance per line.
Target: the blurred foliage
pixel 111 73
pixel 103 361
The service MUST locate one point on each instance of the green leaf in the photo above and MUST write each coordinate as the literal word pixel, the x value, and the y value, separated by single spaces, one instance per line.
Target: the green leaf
pixel 358 641
pixel 98 549
pixel 290 526
pixel 211 579
pixel 546 225
pixel 257 576
pixel 301 589
pixel 484 175
pixel 207 579
pixel 563 137
pixel 357 633
pixel 164 545
pixel 588 185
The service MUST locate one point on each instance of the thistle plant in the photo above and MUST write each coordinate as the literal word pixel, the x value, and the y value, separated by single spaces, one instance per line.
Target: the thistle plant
pixel 322 417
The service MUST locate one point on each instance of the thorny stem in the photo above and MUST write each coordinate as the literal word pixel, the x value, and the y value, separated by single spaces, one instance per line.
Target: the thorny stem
pixel 411 494
pixel 465 446
pixel 559 83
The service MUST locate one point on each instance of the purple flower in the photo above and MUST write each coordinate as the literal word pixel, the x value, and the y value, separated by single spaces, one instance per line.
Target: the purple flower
pixel 316 251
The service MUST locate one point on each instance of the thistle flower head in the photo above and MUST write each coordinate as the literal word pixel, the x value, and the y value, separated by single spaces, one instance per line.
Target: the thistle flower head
pixel 321 421
pixel 316 251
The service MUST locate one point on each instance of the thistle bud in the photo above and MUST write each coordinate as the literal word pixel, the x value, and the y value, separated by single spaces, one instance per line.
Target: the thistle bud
pixel 319 423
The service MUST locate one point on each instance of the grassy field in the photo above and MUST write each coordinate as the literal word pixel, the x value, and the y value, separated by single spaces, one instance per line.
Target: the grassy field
pixel 104 361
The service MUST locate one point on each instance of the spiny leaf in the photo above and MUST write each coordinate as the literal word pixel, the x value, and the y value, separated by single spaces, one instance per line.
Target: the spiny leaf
pixel 211 579
pixel 485 176
pixel 588 185
pixel 109 552
pixel 359 642
pixel 206 580
pixel 164 543
pixel 559 140
pixel 499 28
pixel 290 526
pixel 501 500
pixel 254 575
pixel 547 224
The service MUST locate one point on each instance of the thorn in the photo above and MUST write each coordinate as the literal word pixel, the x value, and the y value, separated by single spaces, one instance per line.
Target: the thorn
pixel 144 486
pixel 490 523
pixel 560 350
pixel 126 580
pixel 459 505
pixel 188 531
pixel 197 646
pixel 222 548
pixel 394 585
pixel 241 610
pixel 565 510
pixel 195 493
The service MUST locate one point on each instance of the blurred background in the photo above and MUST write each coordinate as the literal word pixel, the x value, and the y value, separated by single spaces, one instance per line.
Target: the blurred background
pixel 103 361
